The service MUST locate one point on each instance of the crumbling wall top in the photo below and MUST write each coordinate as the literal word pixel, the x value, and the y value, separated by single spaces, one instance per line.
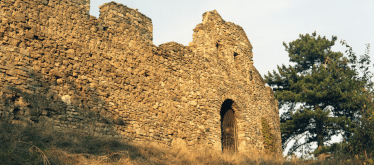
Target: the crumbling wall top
pixel 215 32
pixel 123 18
pixel 212 16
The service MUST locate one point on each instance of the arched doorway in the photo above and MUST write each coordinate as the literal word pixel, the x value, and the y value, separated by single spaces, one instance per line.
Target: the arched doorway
pixel 228 127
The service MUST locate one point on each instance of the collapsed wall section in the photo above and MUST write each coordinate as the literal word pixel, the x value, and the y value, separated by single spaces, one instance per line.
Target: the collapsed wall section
pixel 104 76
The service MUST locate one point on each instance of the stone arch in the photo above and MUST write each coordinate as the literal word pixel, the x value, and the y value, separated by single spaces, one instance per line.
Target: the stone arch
pixel 229 137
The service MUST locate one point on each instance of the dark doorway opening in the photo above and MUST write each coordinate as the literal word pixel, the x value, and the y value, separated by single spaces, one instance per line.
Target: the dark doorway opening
pixel 228 127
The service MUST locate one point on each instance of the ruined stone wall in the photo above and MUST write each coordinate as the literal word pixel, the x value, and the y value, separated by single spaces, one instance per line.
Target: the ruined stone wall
pixel 104 76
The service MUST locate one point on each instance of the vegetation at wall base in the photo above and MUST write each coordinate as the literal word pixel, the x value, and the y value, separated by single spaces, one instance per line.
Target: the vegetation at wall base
pixel 269 140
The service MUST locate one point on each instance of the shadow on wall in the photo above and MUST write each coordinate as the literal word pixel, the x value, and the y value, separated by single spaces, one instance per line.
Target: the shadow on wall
pixel 40 100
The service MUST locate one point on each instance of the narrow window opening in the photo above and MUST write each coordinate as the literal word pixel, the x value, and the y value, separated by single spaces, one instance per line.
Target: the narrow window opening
pixel 235 54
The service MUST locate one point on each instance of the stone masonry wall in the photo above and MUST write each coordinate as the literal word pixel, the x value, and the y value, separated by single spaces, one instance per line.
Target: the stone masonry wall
pixel 104 76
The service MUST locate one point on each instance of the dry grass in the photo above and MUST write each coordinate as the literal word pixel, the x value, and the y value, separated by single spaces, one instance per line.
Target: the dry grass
pixel 39 144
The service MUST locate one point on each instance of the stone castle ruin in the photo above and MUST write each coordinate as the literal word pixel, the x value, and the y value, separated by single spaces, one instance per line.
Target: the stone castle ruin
pixel 103 76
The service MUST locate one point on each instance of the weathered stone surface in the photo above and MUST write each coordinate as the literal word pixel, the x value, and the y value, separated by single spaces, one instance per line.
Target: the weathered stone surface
pixel 105 77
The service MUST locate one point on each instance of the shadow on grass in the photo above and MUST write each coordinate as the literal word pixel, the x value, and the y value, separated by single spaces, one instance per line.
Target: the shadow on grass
pixel 39 144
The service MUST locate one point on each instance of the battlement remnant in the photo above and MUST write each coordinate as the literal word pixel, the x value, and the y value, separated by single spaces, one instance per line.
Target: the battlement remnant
pixel 105 77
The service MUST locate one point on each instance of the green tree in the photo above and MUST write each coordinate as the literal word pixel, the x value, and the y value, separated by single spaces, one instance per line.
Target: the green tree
pixel 362 141
pixel 321 92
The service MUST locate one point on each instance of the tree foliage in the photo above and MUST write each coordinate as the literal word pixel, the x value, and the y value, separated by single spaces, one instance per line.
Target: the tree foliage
pixel 322 92
pixel 362 140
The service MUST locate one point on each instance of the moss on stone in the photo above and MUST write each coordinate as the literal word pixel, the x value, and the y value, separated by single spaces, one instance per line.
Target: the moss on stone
pixel 269 139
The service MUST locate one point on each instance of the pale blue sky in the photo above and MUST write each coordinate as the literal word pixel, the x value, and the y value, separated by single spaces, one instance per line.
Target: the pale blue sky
pixel 267 23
